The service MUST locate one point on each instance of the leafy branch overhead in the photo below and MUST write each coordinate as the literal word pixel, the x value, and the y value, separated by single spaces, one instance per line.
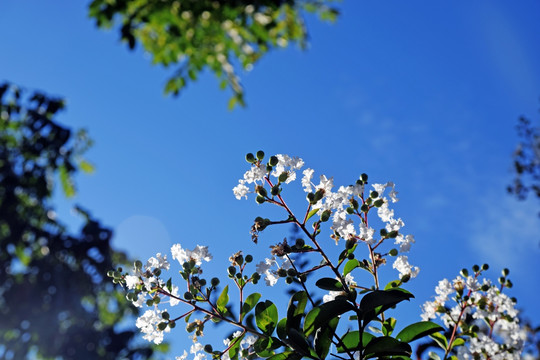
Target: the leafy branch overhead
pixel 224 36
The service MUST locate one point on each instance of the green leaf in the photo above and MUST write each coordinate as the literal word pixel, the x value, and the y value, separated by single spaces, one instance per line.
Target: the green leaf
pixel 418 330
pixel 388 327
pixel 295 310
pixel 433 356
pixel 322 314
pixel 351 341
pixel 86 167
pixel 386 346
pixel 266 316
pixel 249 304
pixel 298 342
pixel 323 338
pixel 392 284
pixel 329 284
pixel 311 213
pixel 376 302
pixel 67 181
pixel 235 349
pixel 223 300
pixel 286 355
pixel 458 342
pixel 350 266
pixel 440 339
pixel 264 347
pixel 281 329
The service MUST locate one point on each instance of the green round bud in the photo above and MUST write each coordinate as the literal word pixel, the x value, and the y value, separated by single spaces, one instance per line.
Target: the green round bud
pixel 260 154
pixel 325 216
pixel 485 287
pixel 149 302
pixel 110 273
pixel 374 194
pixel 302 277
pixel 269 168
pixel 249 258
pixel 137 264
pixel 354 204
pixel 505 272
pixel 300 242
pixel 405 278
pixel 208 348
pixel 188 295
pixel 250 158
pixel 476 268
pixel 485 267
pixel 283 177
pixel 162 326
pixel 319 194
pixel 464 272
pixel 275 190
pixel 502 280
pixel 291 272
pixel 475 328
pixel 350 256
pixel 349 244
pixel 157 272
pixel 508 284
pixel 260 199
pixel 349 210
pixel 202 282
pixel 231 270
pixel 289 280
pixel 359 182
pixel 157 300
pixel 311 198
pixel 393 252
pixel 282 272
pixel 514 300
pixel 364 208
pixel 273 160
pixel 383 232
pixel 238 275
pixel 165 315
pixel 378 203
pixel 261 190
pixel 172 324
pixel 363 177
pixel 214 282
pixel 393 234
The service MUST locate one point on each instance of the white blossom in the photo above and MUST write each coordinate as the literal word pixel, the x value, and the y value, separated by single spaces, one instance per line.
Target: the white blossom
pixel 402 265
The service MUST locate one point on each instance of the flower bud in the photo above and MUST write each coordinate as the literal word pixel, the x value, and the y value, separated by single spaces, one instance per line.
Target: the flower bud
pixel 326 215
pixel 383 233
pixel 165 315
pixel 261 190
pixel 282 272
pixel 291 272
pixel 505 272
pixel 476 268
pixel 188 295
pixel 364 177
pixel 374 194
pixel 393 234
pixel 319 194
pixel 138 264
pixel 300 242
pixel 349 210
pixel 231 270
pixel 250 158
pixel 260 154
pixel 208 348
pixel 464 272
pixel 350 256
pixel 349 244
pixel 508 284
pixel 378 203
pixel 172 324
pixel 260 199
pixel 214 282
pixel 289 280
pixel 405 278
pixel 311 198
pixel 283 177
pixel 485 267
pixel 273 160
pixel 162 326
pixel 393 252
pixel 269 168
pixel 110 273
pixel 249 258
pixel 275 190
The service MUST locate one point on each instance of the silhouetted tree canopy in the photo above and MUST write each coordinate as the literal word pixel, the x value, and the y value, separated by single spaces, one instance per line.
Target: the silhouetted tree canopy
pixel 55 299
pixel 223 35
pixel 526 161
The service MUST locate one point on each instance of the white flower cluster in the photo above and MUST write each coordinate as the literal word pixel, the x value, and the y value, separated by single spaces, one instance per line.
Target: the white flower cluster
pixel 258 172
pixel 269 268
pixel 144 281
pixel 337 203
pixel 245 344
pixel 490 306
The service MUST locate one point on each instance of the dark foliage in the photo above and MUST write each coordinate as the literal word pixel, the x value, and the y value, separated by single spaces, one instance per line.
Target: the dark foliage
pixel 55 299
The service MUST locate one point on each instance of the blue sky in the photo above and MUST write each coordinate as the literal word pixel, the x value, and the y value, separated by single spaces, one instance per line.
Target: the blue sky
pixel 423 94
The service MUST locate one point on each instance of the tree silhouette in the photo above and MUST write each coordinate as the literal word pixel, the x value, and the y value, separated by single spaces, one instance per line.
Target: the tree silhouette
pixel 55 299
